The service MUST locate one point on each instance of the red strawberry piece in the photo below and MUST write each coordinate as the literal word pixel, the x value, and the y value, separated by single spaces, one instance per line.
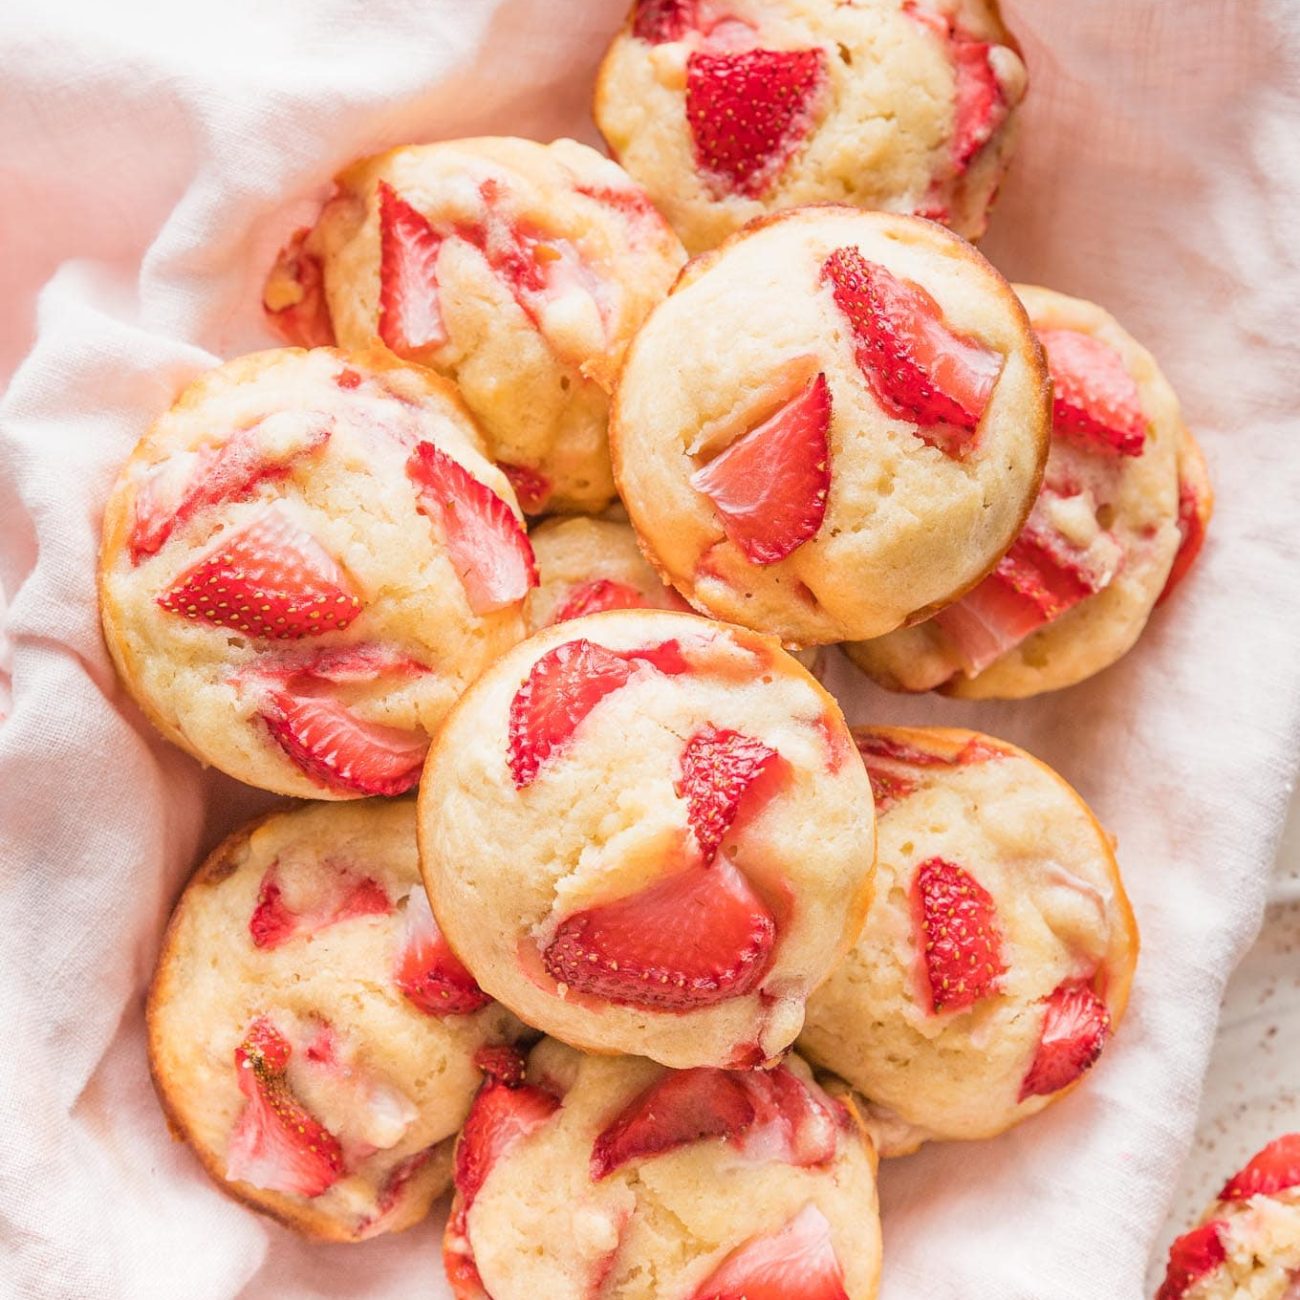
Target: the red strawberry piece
pixel 749 111
pixel 181 486
pixel 1095 401
pixel 897 770
pixel 718 769
pixel 484 538
pixel 428 973
pixel 503 1062
pixel 277 1144
pixel 342 751
pixel 658 21
pixel 1076 1024
pixel 596 596
pixel 531 487
pixel 343 897
pixel 695 938
pixel 795 1263
pixel 502 1115
pixel 1194 505
pixel 294 297
pixel 980 104
pixel 770 485
pixel 409 317
pixel 564 685
pixel 957 934
pixel 392 1191
pixel 270 579
pixel 918 368
pixel 363 662
pixel 1272 1170
pixel 1191 1257
pixel 795 1122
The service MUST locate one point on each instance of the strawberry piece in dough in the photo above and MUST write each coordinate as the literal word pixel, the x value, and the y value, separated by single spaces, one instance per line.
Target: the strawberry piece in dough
pixel 918 368
pixel 1274 1169
pixel 484 538
pixel 410 320
pixel 748 112
pixel 1076 1025
pixel 596 596
pixel 657 21
pixel 770 486
pixel 1194 506
pixel 896 771
pixel 1095 401
pixel 718 768
pixel 795 1263
pixel 428 973
pixel 270 579
pixel 1191 1257
pixel 277 1144
pixel 294 296
pixel 343 897
pixel 957 936
pixel 531 487
pixel 696 938
pixel 342 751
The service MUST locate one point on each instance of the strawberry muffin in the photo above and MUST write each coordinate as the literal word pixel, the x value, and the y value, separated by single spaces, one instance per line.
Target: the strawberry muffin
pixel 520 270
pixel 1119 519
pixel 311 1034
pixel 1247 1246
pixel 996 959
pixel 579 1176
pixel 305 561
pixel 728 109
pixel 835 422
pixel 643 831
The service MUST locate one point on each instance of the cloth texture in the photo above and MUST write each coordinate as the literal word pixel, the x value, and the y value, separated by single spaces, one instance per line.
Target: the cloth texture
pixel 154 156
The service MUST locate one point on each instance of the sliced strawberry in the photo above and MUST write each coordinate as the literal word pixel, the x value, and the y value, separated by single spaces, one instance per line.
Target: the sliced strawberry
pixel 484 538
pixel 795 1263
pixel 896 770
pixel 749 111
pixel 342 897
pixel 531 487
pixel 176 489
pixel 1195 502
pixel 795 1122
pixel 596 596
pixel 502 1115
pixel 770 485
pixel 695 938
pixel 957 935
pixel 503 1062
pixel 428 973
pixel 270 579
pixel 409 317
pixel 564 685
pixel 294 297
pixel 392 1191
pixel 658 21
pixel 1076 1024
pixel 277 1144
pixel 918 368
pixel 980 104
pixel 347 664
pixel 1272 1170
pixel 1095 401
pixel 342 751
pixel 1191 1257
pixel 718 769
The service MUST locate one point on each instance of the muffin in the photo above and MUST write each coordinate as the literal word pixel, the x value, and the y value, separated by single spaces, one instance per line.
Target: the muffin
pixel 643 831
pixel 304 562
pixel 1247 1246
pixel 835 422
pixel 729 109
pixel 996 959
pixel 311 1035
pixel 1119 520
pixel 579 1175
pixel 520 270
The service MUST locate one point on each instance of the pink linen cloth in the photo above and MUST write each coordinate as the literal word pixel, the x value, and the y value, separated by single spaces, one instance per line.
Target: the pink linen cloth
pixel 153 157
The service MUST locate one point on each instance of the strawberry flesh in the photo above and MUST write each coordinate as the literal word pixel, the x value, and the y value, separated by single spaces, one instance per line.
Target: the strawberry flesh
pixel 343 897
pixel 795 1263
pixel 428 973
pixel 1191 1257
pixel 294 298
pixel 771 485
pixel 1076 1025
pixel 503 1062
pixel 981 106
pixel 596 596
pixel 696 938
pixel 1095 401
pixel 657 21
pixel 1272 1170
pixel 342 751
pixel 503 1114
pixel 748 112
pixel 718 767
pixel 918 368
pixel 957 934
pixel 531 487
pixel 277 1144
pixel 897 771
pixel 485 540
pixel 1193 516
pixel 410 320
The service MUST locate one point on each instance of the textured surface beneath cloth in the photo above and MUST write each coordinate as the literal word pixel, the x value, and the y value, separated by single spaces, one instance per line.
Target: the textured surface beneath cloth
pixel 153 159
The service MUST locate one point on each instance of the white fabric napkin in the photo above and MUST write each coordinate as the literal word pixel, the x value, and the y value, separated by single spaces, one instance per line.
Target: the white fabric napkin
pixel 153 155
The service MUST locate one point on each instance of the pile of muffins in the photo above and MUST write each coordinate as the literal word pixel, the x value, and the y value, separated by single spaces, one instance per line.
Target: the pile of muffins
pixel 541 518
